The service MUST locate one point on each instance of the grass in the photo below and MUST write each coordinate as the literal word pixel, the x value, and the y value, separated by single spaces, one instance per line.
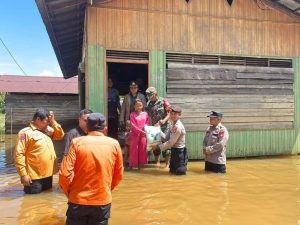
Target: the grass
pixel 2 123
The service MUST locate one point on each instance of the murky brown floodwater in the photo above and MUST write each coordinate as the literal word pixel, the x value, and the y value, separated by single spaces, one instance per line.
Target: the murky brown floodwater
pixel 264 191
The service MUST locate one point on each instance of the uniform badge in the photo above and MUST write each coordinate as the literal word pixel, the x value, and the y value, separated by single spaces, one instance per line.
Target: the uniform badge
pixel 22 137
pixel 174 129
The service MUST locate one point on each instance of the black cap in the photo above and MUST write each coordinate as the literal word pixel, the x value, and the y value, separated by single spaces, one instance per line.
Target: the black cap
pixel 215 114
pixel 96 121
pixel 133 84
pixel 175 108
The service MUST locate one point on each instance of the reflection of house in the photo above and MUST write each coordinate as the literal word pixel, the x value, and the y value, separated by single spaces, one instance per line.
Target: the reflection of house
pixel 27 93
pixel 204 55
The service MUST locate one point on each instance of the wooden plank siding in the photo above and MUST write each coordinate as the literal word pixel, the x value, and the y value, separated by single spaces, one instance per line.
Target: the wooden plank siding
pixel 96 79
pixel 250 97
pixel 206 27
pixel 260 105
pixel 157 76
pixel 19 109
pixel 259 142
pixel 296 143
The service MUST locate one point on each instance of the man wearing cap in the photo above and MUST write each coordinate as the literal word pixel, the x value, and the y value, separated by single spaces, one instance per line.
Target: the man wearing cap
pixel 158 110
pixel 175 140
pixel 89 173
pixel 214 144
pixel 128 103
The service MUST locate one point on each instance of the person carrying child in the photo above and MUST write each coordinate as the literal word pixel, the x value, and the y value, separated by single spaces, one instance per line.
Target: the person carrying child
pixel 138 119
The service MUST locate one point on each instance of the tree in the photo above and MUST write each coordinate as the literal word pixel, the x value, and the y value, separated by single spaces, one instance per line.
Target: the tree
pixel 2 102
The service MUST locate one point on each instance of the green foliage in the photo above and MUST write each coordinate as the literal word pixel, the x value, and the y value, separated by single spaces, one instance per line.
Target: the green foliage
pixel 2 102
pixel 2 123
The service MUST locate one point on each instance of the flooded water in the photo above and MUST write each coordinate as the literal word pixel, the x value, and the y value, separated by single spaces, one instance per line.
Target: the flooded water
pixel 262 191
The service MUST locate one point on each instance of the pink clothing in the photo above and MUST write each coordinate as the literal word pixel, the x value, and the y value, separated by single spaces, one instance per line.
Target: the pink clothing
pixel 137 153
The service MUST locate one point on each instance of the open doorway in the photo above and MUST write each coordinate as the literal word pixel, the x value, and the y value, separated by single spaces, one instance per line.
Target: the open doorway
pixel 121 75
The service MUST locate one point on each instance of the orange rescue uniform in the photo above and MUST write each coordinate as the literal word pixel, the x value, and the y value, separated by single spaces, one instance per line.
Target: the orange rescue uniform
pixel 34 152
pixel 92 169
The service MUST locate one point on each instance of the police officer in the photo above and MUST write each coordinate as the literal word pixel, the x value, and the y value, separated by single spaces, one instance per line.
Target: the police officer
pixel 175 140
pixel 214 144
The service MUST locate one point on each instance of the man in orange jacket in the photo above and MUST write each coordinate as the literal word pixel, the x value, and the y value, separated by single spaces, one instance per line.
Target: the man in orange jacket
pixel 34 154
pixel 89 172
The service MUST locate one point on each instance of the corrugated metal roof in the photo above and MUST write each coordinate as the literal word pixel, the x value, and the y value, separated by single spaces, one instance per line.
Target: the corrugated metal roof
pixel 36 84
pixel 64 21
pixel 291 7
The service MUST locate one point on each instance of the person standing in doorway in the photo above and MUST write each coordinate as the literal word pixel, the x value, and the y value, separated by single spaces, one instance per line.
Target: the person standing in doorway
pixel 78 131
pixel 114 107
pixel 89 173
pixel 128 103
pixel 214 144
pixel 158 110
pixel 34 155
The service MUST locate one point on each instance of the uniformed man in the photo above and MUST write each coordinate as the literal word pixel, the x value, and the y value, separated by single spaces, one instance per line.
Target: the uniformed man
pixel 158 110
pixel 214 144
pixel 175 140
pixel 34 154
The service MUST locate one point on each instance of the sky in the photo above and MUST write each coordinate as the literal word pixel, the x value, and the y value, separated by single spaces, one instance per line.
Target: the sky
pixel 23 32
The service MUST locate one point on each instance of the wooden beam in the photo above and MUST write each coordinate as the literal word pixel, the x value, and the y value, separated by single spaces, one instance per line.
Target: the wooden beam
pixel 127 61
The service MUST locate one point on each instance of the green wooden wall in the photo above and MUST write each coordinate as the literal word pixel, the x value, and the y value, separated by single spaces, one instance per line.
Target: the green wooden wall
pixel 296 65
pixel 157 78
pixel 241 143
pixel 95 78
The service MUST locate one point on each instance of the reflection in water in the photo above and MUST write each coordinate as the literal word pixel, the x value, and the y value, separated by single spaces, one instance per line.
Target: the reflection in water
pixel 262 191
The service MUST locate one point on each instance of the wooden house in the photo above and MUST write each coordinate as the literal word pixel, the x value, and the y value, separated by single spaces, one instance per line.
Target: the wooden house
pixel 239 57
pixel 24 94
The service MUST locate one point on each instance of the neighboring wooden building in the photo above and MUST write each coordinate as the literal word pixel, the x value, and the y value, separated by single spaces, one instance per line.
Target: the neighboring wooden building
pixel 27 93
pixel 242 60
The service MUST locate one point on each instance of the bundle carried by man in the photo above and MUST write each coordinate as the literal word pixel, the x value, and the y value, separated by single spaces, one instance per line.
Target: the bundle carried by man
pixel 153 135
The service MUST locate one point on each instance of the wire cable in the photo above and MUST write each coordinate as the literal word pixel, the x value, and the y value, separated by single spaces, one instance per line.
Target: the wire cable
pixel 12 56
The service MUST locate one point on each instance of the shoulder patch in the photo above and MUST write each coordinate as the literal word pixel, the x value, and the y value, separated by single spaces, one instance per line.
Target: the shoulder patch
pixel 22 137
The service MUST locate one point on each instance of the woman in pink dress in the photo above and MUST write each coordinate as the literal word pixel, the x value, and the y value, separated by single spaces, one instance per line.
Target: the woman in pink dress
pixel 138 155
